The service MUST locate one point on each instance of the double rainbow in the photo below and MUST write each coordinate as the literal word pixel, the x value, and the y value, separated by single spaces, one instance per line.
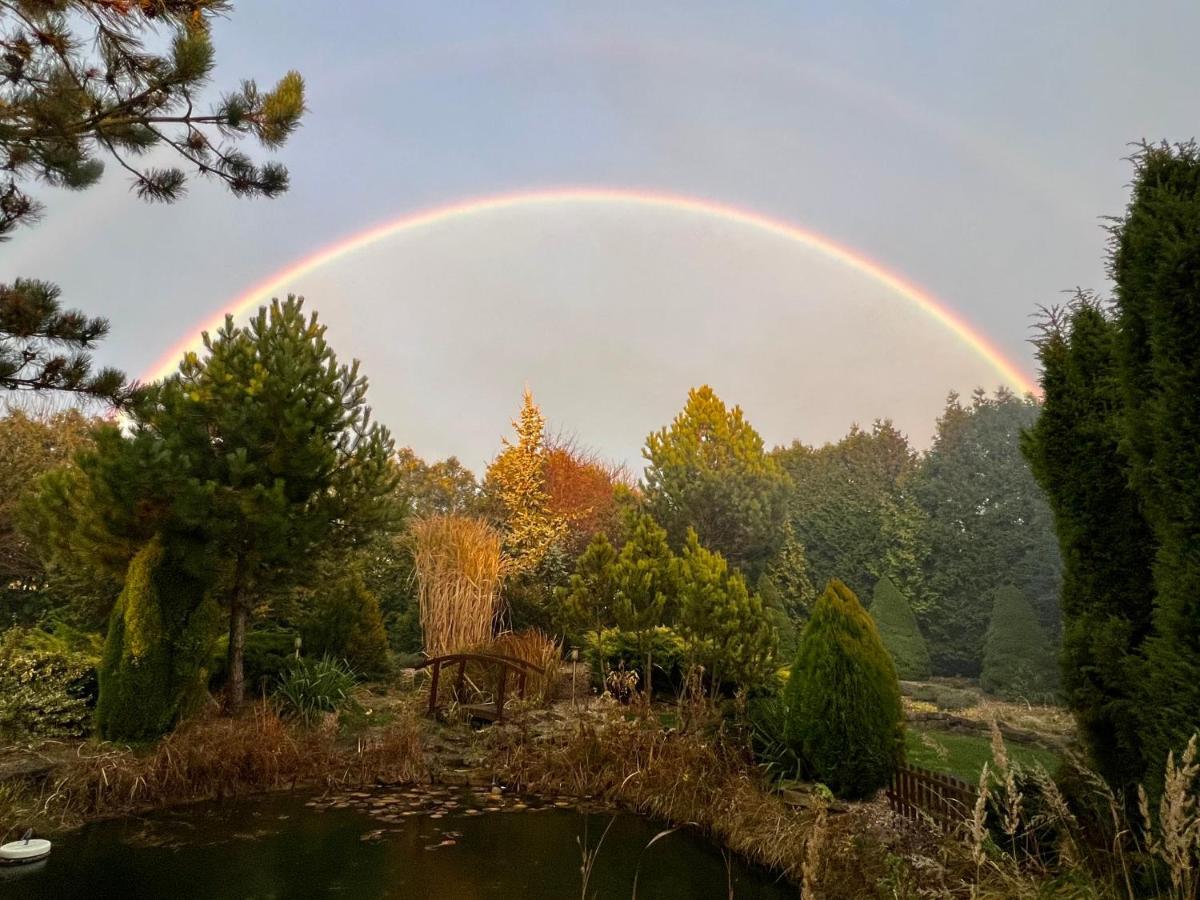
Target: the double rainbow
pixel 280 281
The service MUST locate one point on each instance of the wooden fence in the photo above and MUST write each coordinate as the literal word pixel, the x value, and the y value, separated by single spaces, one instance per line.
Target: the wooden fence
pixel 945 799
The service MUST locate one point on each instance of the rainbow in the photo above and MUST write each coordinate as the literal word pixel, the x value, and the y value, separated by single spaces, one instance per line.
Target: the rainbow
pixel 280 281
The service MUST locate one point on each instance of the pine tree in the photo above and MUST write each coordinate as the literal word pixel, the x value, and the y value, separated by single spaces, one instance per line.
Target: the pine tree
pixel 1155 266
pixel 84 79
pixel 588 600
pixel 708 471
pixel 1018 662
pixel 1107 549
pixel 843 715
pixel 646 586
pixel 724 627
pixel 517 479
pixel 899 632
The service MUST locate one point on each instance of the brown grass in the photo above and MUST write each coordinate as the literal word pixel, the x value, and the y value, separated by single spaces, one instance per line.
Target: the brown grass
pixel 459 568
pixel 211 757
pixel 537 648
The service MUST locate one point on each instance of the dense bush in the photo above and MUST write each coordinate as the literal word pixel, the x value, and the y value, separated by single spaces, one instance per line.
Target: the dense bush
pixel 344 621
pixel 842 702
pixel 898 629
pixel 44 693
pixel 1018 661
pixel 617 647
pixel 313 688
pixel 269 653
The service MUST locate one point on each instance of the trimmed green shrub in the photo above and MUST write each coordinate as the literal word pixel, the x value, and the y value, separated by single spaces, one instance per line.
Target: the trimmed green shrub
pixel 1018 661
pixel 313 688
pixel 898 629
pixel 346 622
pixel 667 649
pixel 160 638
pixel 269 653
pixel 44 693
pixel 842 701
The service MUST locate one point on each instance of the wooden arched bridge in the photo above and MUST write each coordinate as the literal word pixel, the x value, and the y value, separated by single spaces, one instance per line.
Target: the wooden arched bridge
pixel 500 673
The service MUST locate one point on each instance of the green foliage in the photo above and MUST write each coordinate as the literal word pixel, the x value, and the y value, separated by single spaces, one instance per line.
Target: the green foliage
pixel 849 509
pixel 646 587
pixel 899 632
pixel 312 688
pixel 770 737
pixel 986 523
pixel 843 712
pixel 160 637
pixel 1155 266
pixel 963 755
pixel 1107 548
pixel 343 621
pixel 724 627
pixel 587 601
pixel 44 693
pixel 616 648
pixel 708 471
pixel 1018 662
pixel 444 488
pixel 270 651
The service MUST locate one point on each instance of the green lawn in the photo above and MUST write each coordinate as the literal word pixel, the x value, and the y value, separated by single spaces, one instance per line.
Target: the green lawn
pixel 963 755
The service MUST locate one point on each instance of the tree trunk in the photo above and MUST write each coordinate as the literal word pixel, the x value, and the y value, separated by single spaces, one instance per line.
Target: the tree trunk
pixel 235 687
pixel 649 679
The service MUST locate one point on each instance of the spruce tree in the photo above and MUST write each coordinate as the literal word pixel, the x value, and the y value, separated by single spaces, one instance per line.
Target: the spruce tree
pixel 708 471
pixel 1156 269
pixel 1107 549
pixel 1018 662
pixel 87 79
pixel 646 585
pixel 842 701
pixel 899 632
pixel 587 602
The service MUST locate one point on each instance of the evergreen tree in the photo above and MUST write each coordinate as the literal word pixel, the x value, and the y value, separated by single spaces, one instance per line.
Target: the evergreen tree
pixel 1106 545
pixel 342 618
pixel 723 625
pixel 708 471
pixel 986 523
pixel 1018 662
pixel 645 579
pixel 588 600
pixel 85 79
pixel 843 715
pixel 788 575
pixel 1156 268
pixel 899 632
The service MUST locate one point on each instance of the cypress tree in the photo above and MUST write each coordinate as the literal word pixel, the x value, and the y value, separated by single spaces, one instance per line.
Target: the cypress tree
pixel 899 632
pixel 1105 541
pixel 1018 662
pixel 1156 269
pixel 843 700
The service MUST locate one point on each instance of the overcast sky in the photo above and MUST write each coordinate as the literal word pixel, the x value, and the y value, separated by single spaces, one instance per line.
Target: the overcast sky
pixel 971 147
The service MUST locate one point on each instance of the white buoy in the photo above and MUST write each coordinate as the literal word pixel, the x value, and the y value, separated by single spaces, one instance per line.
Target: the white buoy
pixel 26 851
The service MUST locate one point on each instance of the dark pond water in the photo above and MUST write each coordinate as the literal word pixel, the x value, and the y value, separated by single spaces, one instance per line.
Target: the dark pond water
pixel 275 846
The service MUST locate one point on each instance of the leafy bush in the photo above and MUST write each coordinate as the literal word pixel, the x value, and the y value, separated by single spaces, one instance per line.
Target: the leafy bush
pixel 898 629
pixel 619 648
pixel 345 621
pixel 842 712
pixel 44 693
pixel 269 653
pixel 769 735
pixel 1018 662
pixel 312 688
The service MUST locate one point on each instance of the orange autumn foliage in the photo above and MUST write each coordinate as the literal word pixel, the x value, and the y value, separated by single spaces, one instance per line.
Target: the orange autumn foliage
pixel 581 490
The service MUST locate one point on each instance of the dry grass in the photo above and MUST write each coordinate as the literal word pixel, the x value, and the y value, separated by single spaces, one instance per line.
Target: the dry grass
pixel 536 648
pixel 211 757
pixel 459 568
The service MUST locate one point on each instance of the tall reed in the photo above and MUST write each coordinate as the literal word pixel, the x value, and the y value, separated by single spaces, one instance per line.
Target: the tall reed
pixel 459 568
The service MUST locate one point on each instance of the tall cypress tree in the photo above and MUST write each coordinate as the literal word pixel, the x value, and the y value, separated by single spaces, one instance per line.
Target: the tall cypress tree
pixel 1017 660
pixel 898 630
pixel 1107 596
pixel 1156 269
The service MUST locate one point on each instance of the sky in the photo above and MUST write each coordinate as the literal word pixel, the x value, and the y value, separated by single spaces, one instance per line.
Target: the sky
pixel 972 149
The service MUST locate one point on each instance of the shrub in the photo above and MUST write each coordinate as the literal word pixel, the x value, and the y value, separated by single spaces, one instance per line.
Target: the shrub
pixel 842 702
pixel 898 629
pixel 617 648
pixel 313 688
pixel 44 693
pixel 269 653
pixel 345 622
pixel 1018 662
pixel 534 647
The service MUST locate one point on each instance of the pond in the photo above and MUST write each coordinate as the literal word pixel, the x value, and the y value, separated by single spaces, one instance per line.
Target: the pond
pixel 439 845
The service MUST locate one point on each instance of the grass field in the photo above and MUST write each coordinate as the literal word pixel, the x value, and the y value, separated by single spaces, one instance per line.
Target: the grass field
pixel 963 755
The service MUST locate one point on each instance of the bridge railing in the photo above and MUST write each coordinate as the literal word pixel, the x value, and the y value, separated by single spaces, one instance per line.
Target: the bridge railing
pixel 505 666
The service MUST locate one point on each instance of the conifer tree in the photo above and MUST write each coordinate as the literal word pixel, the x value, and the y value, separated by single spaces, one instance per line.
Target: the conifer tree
pixel 1155 267
pixel 86 79
pixel 789 576
pixel 724 627
pixel 708 471
pixel 1018 662
pixel 1107 549
pixel 343 619
pixel 899 632
pixel 646 586
pixel 843 715
pixel 588 601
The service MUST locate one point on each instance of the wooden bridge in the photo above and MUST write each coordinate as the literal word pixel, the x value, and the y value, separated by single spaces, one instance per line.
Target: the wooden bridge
pixel 503 667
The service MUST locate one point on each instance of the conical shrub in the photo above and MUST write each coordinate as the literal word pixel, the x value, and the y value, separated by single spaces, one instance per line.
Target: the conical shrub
pixel 898 629
pixel 1018 661
pixel 843 698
